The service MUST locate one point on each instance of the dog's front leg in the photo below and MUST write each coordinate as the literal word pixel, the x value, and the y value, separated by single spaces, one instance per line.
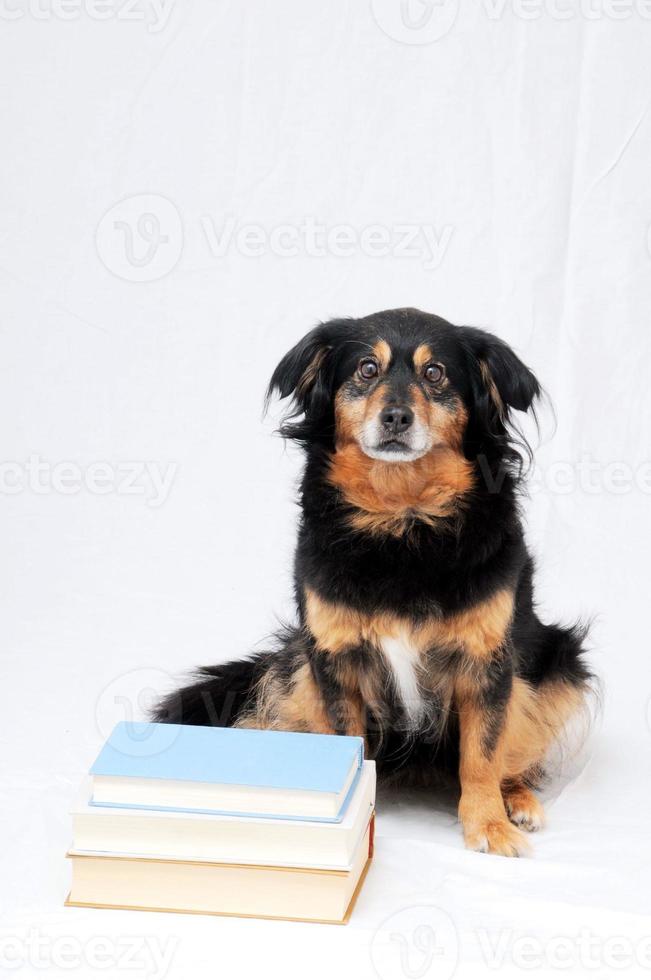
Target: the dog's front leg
pixel 338 688
pixel 482 695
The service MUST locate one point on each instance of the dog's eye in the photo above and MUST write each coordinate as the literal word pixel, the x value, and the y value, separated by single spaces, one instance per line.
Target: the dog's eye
pixel 368 370
pixel 434 373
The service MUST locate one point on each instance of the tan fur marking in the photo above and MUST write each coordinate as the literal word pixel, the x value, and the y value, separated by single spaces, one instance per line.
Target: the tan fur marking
pixel 336 628
pixel 491 386
pixel 389 495
pixel 383 353
pixel 523 807
pixel 534 720
pixel 305 708
pixel 448 423
pixel 297 708
pixel 350 414
pixel 486 826
pixel 422 356
pixel 477 631
pixel 482 811
pixel 309 376
pixel 363 689
pixel 355 715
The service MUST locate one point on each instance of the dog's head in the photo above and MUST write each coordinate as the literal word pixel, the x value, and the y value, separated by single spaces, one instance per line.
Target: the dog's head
pixel 402 384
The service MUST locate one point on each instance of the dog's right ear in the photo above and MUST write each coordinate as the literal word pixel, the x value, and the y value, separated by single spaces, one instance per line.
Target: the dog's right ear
pixel 303 374
pixel 298 372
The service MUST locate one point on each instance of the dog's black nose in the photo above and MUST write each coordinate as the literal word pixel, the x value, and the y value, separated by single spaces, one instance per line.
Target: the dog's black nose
pixel 396 419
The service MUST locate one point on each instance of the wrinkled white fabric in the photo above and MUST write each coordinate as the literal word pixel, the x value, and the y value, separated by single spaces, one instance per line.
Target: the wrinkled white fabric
pixel 185 190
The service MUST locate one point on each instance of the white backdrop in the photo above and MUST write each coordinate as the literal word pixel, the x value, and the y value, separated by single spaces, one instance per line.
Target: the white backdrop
pixel 186 188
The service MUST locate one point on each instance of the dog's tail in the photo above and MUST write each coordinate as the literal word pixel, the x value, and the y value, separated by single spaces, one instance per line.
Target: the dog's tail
pixel 218 696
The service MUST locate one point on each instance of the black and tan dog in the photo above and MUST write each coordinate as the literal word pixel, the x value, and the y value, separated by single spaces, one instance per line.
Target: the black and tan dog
pixel 416 625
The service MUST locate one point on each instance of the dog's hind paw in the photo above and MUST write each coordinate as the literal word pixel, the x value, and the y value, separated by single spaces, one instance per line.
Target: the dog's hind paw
pixel 524 809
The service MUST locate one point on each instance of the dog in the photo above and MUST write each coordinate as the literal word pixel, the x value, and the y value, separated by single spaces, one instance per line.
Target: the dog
pixel 416 622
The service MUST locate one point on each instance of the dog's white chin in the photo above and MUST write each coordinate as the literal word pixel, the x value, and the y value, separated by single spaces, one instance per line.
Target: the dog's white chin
pixel 402 455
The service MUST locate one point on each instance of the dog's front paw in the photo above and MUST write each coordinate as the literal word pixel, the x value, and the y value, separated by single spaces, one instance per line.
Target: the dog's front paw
pixel 496 837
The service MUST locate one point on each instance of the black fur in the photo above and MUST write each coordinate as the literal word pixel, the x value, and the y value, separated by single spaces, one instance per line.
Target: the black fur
pixel 437 570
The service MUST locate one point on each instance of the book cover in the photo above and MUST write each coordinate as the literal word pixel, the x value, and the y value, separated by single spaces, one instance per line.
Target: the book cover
pixel 119 881
pixel 223 837
pixel 239 771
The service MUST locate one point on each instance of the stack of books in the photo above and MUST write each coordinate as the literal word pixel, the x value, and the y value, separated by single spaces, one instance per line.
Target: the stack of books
pixel 224 821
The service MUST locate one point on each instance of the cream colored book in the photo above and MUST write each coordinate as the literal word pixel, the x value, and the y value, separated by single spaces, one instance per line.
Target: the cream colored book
pixel 169 834
pixel 112 881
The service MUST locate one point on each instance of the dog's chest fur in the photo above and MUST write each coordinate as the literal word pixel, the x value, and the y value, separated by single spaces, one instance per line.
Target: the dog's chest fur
pixel 420 658
pixel 403 659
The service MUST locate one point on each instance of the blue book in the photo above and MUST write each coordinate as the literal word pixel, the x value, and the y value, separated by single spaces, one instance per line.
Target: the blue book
pixel 239 771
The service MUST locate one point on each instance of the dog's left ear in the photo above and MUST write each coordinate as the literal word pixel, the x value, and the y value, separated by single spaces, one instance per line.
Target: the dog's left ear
pixel 500 373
